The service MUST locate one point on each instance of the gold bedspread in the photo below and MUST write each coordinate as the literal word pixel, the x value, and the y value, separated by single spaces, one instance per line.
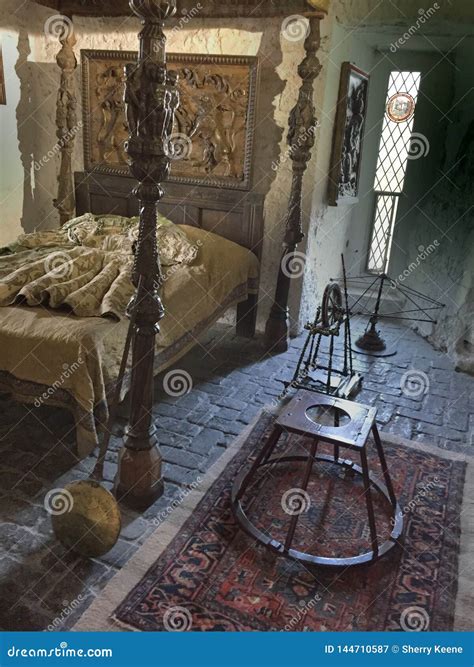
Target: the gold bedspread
pixel 57 358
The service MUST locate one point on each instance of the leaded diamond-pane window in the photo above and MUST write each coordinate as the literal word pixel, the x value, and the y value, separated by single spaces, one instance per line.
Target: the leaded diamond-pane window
pixel 394 152
pixel 385 214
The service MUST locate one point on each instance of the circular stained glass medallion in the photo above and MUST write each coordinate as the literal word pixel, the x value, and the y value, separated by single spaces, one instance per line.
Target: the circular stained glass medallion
pixel 400 107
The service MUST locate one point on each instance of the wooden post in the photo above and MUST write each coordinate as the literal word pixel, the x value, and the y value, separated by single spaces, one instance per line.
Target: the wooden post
pixel 151 98
pixel 301 138
pixel 66 120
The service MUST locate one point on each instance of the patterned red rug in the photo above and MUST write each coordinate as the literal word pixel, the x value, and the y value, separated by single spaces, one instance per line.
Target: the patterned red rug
pixel 212 577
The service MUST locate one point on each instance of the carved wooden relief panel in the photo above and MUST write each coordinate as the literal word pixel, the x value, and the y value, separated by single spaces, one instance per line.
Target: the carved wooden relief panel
pixel 212 139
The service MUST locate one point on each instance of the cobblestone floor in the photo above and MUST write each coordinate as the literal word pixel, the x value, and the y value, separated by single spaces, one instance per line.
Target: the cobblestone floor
pixel 231 381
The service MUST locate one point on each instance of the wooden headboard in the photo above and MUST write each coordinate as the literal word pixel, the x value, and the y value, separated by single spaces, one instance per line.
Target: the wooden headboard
pixel 233 214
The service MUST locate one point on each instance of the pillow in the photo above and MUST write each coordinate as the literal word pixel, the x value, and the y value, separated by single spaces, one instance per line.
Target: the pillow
pixel 117 233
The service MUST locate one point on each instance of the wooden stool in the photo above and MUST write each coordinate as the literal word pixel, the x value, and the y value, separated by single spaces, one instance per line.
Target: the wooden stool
pixel 301 417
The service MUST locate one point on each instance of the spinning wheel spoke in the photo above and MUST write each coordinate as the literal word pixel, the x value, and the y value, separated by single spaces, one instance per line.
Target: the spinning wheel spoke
pixel 332 310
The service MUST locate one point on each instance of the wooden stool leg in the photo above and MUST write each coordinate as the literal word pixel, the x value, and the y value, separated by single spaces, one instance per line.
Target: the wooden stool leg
pixel 383 463
pixel 266 450
pixel 304 486
pixel 370 506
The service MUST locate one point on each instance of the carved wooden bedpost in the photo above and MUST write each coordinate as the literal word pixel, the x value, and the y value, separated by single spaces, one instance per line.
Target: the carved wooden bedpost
pixel 66 119
pixel 301 138
pixel 151 97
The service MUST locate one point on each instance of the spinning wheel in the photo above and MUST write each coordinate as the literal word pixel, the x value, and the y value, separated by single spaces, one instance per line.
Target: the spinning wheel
pixel 329 377
pixel 332 310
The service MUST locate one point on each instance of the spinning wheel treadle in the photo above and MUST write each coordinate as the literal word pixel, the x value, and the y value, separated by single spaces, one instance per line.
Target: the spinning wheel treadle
pixel 353 434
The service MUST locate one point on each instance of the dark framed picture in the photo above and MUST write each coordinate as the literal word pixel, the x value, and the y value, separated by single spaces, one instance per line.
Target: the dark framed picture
pixel 3 93
pixel 214 127
pixel 344 173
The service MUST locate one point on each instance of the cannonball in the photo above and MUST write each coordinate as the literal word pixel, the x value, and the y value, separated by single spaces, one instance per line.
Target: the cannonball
pixel 86 518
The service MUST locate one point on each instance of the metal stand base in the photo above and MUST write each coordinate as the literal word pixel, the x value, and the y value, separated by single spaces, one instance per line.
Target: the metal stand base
pixel 313 559
pixel 371 341
pixel 391 352
pixel 307 415
pixel 372 344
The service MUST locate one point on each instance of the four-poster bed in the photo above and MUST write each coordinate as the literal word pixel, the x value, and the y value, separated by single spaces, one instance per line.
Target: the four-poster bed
pixel 152 100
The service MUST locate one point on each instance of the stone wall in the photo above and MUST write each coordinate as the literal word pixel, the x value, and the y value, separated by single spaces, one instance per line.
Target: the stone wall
pixel 441 219
pixel 18 32
pixel 340 229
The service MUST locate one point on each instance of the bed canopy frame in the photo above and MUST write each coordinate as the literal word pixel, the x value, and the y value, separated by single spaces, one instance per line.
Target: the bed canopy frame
pixel 151 97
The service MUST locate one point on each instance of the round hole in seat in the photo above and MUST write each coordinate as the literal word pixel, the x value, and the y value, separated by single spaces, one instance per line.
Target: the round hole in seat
pixel 328 415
